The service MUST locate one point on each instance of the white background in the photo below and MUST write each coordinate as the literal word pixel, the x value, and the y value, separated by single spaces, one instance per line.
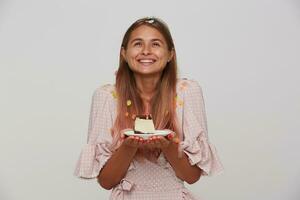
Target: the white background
pixel 244 54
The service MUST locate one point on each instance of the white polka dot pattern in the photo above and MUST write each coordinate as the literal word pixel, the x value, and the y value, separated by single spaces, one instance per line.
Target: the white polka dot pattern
pixel 96 152
pixel 196 144
pixel 147 180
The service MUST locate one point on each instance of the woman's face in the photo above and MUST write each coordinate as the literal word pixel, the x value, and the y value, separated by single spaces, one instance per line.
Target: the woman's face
pixel 147 51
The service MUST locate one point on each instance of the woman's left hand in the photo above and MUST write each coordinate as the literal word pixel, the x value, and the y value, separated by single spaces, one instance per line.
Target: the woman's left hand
pixel 159 141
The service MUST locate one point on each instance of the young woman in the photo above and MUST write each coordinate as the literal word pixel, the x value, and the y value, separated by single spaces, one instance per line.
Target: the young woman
pixel 147 83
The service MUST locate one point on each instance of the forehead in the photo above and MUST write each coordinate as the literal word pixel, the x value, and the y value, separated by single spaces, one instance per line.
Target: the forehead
pixel 147 33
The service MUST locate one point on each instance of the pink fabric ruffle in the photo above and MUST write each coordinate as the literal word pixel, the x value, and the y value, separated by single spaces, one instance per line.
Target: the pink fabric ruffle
pixel 187 195
pixel 201 153
pixel 118 192
pixel 92 158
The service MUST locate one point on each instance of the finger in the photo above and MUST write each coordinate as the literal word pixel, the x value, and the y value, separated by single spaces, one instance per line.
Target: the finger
pixel 151 139
pixel 141 141
pixel 151 144
pixel 130 139
pixel 163 141
pixel 122 139
pixel 127 141
pixel 170 136
pixel 157 140
pixel 136 140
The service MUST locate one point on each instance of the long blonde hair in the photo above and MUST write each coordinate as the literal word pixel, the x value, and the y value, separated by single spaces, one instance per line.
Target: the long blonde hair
pixel 163 103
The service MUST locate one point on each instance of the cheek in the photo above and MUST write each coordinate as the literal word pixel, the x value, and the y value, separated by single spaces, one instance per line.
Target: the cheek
pixel 133 53
pixel 163 55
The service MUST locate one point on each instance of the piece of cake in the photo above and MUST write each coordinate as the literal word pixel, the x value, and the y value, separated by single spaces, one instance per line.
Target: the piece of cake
pixel 143 124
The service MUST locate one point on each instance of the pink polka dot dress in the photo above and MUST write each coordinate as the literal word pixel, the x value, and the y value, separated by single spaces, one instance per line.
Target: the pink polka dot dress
pixel 148 180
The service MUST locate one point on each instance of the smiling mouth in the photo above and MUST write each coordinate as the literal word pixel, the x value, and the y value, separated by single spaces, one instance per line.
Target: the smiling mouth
pixel 146 62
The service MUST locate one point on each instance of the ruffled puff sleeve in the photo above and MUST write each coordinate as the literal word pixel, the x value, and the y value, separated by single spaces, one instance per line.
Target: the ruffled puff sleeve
pixel 195 145
pixel 97 151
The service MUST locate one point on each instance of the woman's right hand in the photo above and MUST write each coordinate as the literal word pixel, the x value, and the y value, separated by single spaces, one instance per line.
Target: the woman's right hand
pixel 132 141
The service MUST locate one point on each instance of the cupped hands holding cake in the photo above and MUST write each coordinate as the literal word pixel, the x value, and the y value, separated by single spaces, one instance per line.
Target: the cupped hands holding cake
pixel 145 135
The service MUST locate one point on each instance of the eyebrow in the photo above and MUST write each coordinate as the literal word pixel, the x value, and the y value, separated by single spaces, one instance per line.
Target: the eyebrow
pixel 139 39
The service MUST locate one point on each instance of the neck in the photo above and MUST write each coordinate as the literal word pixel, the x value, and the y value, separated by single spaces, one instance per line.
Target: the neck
pixel 146 86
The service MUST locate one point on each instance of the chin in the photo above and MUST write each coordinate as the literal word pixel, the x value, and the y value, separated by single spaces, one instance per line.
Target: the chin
pixel 149 73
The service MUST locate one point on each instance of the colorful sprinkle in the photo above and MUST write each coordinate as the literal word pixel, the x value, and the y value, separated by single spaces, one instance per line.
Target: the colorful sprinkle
pixel 166 112
pixel 114 94
pixel 133 116
pixel 183 85
pixel 176 140
pixel 126 114
pixel 128 102
pixel 180 102
pixel 182 88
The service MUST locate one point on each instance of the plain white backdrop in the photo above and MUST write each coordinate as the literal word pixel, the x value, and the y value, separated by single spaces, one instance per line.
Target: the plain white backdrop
pixel 244 54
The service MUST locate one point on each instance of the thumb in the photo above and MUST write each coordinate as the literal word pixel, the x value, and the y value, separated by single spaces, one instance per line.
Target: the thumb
pixel 122 136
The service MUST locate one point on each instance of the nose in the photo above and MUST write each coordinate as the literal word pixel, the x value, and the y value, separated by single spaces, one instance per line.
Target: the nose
pixel 146 50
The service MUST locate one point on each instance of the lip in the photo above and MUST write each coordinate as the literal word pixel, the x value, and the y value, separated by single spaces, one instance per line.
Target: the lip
pixel 148 61
pixel 146 64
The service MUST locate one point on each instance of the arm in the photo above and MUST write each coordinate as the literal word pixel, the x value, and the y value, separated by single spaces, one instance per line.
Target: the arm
pixel 116 167
pixel 195 147
pixel 183 169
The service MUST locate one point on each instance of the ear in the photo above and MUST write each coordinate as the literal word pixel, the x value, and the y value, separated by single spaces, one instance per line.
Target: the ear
pixel 172 52
pixel 123 53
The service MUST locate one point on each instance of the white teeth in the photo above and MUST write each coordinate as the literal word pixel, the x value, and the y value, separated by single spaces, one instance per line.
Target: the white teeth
pixel 146 61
